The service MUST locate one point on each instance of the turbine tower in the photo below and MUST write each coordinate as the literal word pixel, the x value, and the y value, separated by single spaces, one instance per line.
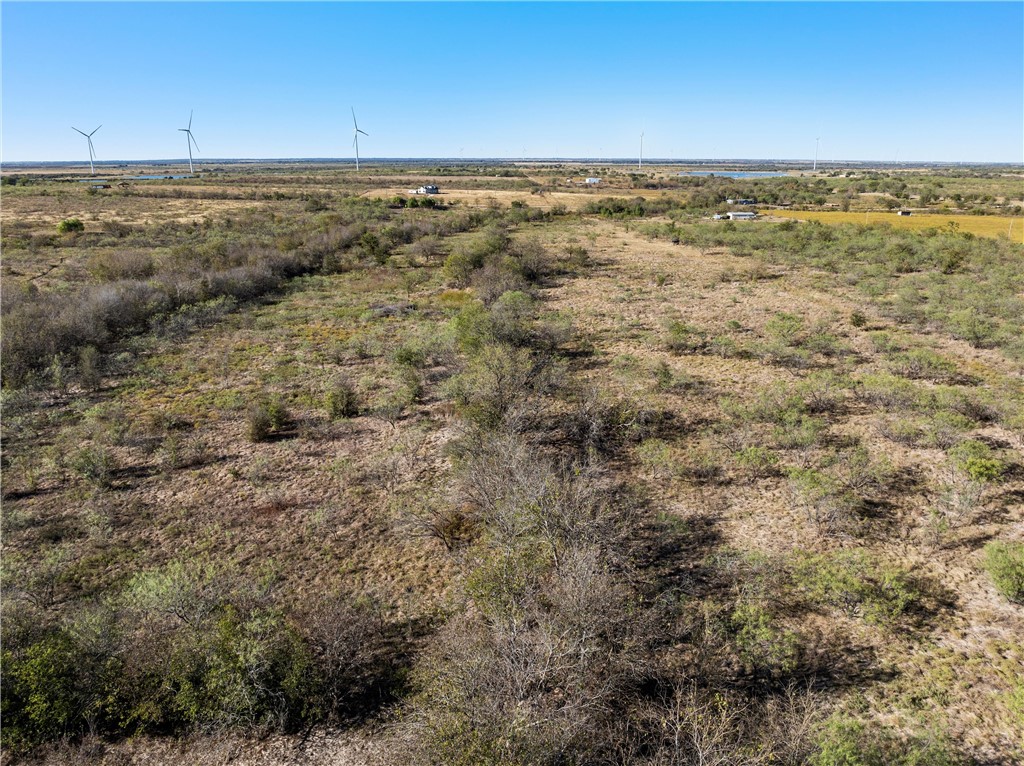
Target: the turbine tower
pixel 92 151
pixel 189 140
pixel 355 135
pixel 815 168
pixel 640 164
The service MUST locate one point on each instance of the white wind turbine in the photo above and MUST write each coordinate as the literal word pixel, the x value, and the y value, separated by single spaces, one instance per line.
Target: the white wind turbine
pixel 816 142
pixel 92 151
pixel 640 164
pixel 355 135
pixel 189 140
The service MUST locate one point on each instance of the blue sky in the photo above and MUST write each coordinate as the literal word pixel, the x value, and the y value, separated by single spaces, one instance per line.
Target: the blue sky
pixel 917 81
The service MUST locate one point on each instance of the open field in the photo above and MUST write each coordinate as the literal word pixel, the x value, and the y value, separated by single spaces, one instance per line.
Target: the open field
pixel 298 467
pixel 982 226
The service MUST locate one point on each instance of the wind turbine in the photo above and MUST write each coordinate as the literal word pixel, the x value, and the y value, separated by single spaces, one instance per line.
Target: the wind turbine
pixel 815 168
pixel 92 151
pixel 189 140
pixel 355 135
pixel 640 164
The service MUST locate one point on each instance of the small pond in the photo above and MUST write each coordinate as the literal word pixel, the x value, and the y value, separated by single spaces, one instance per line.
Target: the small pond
pixel 733 173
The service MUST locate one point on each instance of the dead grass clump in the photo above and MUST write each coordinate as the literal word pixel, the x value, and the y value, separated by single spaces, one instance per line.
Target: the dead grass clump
pixel 121 264
pixel 602 424
pixel 352 652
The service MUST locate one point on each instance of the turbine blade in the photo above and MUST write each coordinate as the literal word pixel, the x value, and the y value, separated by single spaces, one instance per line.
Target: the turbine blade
pixel 193 140
pixel 98 127
pixel 362 131
pixel 79 131
pixel 354 123
pixel 190 119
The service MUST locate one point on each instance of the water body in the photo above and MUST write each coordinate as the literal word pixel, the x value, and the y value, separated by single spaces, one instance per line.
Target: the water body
pixel 155 178
pixel 129 178
pixel 734 173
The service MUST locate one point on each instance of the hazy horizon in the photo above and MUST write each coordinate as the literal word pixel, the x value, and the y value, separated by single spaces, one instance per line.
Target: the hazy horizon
pixel 794 161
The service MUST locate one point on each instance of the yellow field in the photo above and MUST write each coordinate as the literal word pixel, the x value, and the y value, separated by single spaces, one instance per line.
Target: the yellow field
pixel 982 225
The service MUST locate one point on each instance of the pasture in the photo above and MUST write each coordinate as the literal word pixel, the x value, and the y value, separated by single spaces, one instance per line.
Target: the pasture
pixel 298 466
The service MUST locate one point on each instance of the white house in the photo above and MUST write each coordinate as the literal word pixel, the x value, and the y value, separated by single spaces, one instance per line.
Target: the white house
pixel 734 216
pixel 593 181
pixel 428 189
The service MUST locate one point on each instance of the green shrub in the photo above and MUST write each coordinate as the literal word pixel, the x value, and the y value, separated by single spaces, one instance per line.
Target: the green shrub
pixel 827 502
pixel 977 460
pixel 761 644
pixel 685 339
pixel 656 456
pixel 70 226
pixel 470 255
pixel 496 386
pixel 945 429
pixel 972 326
pixel 825 343
pixel 798 432
pixel 844 741
pixel 902 431
pixel 777 403
pixel 472 327
pixel 724 346
pixel 1004 563
pixel 90 376
pixel 860 472
pixel 886 343
pixel 342 400
pixel 759 462
pixel 410 384
pixel 267 418
pixel 410 355
pixel 822 392
pixel 853 581
pixel 511 318
pixel 889 391
pixel 701 463
pixel 96 463
pixel 257 674
pixel 785 328
pixel 41 694
pixel 922 364
pixel 980 405
pixel 663 378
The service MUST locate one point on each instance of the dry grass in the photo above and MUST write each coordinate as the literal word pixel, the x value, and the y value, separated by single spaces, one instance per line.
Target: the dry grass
pixel 319 505
pixel 624 309
pixel 982 225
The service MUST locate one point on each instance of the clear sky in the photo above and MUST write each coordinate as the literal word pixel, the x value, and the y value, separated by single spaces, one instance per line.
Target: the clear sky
pixel 913 81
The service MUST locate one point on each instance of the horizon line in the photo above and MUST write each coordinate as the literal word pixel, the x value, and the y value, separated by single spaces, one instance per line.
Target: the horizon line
pixel 513 160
